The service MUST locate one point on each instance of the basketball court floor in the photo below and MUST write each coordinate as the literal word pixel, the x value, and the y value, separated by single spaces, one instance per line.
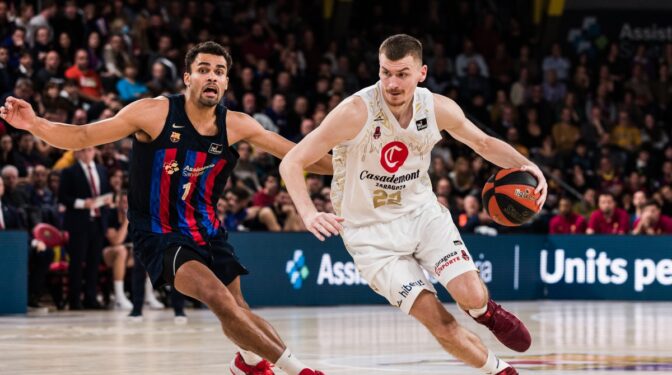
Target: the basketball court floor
pixel 569 338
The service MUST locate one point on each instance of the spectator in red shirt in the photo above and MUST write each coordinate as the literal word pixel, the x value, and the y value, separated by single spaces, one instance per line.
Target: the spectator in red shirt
pixel 566 221
pixel 266 196
pixel 88 81
pixel 608 219
pixel 652 222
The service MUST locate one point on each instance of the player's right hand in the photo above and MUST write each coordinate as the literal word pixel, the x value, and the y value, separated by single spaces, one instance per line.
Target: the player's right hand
pixel 323 224
pixel 18 113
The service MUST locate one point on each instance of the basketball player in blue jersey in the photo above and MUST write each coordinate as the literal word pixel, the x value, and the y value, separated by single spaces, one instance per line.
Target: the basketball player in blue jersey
pixel 389 217
pixel 182 158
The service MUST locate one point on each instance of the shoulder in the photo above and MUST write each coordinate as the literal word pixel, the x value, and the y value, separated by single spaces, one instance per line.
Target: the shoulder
pixel 446 108
pixel 148 108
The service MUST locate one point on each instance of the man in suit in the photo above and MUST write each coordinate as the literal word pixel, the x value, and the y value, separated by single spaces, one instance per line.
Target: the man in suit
pixel 80 185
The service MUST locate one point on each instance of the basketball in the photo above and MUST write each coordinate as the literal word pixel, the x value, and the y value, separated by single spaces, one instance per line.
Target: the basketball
pixel 509 197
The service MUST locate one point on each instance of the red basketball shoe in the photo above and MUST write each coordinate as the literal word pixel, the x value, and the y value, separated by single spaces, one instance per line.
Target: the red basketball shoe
pixel 307 371
pixel 508 329
pixel 508 371
pixel 239 367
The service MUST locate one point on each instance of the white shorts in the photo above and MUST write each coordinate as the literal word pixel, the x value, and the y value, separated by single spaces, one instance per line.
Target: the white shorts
pixel 391 256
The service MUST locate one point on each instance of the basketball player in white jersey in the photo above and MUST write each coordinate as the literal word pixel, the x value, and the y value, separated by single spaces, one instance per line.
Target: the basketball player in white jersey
pixel 389 218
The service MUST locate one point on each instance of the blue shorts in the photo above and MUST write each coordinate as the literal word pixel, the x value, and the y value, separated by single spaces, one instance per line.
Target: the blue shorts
pixel 218 255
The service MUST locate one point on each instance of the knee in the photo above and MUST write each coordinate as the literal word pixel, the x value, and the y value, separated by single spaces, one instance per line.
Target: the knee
pixel 475 299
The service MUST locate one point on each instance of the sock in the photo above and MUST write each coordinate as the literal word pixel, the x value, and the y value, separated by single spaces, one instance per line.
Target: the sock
pixel 119 290
pixel 493 365
pixel 249 357
pixel 289 363
pixel 478 312
pixel 149 291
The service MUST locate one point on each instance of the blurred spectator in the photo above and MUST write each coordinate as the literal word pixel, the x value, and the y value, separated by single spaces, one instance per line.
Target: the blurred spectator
pixel 566 221
pixel 469 55
pixel 245 170
pixel 10 218
pixel 128 87
pixel 556 62
pixel 15 193
pixel 554 90
pixel 51 71
pixel 652 222
pixel 116 251
pixel 88 81
pixel 266 196
pixel 639 200
pixel 625 134
pixel 608 219
pixel 471 217
pixel 565 133
pixel 42 19
pixel 241 218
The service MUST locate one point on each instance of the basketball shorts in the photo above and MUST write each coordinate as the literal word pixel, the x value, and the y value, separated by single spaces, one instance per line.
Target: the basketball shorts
pixel 163 253
pixel 393 256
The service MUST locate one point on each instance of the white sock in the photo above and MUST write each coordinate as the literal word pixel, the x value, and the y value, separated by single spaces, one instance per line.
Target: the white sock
pixel 478 312
pixel 289 363
pixel 149 291
pixel 119 290
pixel 249 357
pixel 493 365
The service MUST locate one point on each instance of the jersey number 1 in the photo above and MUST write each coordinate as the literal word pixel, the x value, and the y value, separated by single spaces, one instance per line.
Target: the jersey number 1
pixel 186 188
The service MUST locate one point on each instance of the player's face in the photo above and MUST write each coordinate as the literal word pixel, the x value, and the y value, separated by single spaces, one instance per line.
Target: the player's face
pixel 208 79
pixel 400 78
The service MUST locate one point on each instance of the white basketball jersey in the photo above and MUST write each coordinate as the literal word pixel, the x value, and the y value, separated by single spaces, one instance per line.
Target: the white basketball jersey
pixel 381 174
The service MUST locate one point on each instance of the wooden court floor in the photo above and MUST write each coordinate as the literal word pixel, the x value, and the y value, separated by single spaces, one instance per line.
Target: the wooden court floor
pixel 569 338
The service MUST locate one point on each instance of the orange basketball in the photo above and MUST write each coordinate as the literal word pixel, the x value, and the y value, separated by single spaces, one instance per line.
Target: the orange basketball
pixel 509 197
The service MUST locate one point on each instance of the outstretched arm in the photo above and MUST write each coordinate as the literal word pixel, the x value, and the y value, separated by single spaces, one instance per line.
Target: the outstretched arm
pixel 343 123
pixel 451 119
pixel 20 115
pixel 247 128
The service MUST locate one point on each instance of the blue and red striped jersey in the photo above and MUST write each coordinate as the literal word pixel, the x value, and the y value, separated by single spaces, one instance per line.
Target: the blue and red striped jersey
pixel 176 180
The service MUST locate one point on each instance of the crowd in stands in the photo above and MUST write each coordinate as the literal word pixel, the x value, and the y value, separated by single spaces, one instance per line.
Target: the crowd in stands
pixel 598 122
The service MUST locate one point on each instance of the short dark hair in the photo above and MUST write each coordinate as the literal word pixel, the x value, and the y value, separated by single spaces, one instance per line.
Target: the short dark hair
pixel 652 202
pixel 399 46
pixel 210 48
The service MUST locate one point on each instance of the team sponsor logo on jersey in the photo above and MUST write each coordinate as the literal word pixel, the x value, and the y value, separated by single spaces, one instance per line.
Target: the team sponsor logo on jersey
pixel 379 117
pixel 393 156
pixel 189 171
pixel 392 182
pixel 407 288
pixel 175 126
pixel 171 167
pixel 175 137
pixel 457 243
pixel 446 262
pixel 421 124
pixel 216 148
pixel 465 256
pixel 376 133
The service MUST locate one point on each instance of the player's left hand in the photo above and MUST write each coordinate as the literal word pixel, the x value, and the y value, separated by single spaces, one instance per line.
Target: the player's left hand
pixel 323 224
pixel 542 186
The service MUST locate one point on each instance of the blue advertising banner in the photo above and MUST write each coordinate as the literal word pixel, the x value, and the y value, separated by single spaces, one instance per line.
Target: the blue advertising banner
pixel 13 272
pixel 297 269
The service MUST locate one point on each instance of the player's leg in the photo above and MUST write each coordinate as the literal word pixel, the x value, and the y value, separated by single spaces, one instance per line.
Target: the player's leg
pixel 455 339
pixel 246 360
pixel 471 294
pixel 193 278
pixel 403 283
pixel 442 253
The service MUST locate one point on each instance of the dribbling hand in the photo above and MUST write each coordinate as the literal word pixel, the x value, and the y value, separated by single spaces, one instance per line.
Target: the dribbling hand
pixel 18 113
pixel 323 224
pixel 542 186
